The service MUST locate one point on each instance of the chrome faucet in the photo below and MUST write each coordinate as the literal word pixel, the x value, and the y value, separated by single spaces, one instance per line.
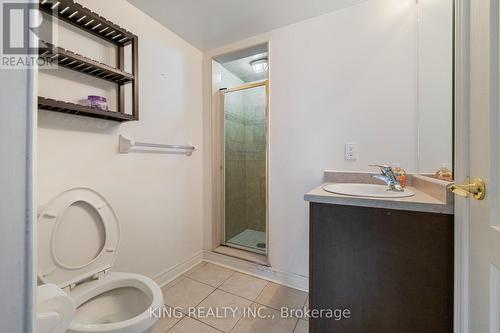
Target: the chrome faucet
pixel 389 178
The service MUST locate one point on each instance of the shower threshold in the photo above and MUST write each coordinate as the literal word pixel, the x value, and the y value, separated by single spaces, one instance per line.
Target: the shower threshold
pixel 257 258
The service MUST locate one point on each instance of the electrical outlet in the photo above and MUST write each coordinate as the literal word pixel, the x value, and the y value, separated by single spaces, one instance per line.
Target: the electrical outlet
pixel 351 151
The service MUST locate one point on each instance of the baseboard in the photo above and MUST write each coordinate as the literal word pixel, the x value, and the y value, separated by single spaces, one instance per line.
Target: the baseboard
pixel 268 273
pixel 172 273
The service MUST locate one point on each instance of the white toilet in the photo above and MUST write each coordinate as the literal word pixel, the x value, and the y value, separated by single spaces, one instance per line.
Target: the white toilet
pixel 78 237
pixel 54 309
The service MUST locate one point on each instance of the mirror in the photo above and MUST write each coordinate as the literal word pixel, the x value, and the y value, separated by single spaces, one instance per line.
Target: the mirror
pixel 435 85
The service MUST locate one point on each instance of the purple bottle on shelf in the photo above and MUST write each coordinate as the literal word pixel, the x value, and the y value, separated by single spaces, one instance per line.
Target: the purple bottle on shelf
pixel 98 102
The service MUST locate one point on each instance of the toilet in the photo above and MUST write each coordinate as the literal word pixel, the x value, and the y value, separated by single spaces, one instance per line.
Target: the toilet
pixel 54 309
pixel 78 238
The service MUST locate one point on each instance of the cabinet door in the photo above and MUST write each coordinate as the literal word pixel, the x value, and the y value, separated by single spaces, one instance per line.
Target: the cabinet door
pixel 392 269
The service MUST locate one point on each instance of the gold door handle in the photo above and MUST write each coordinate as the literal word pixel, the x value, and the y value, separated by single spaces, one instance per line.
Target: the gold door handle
pixel 478 189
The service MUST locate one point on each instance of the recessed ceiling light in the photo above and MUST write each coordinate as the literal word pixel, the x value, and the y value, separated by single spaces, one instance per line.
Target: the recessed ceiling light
pixel 260 65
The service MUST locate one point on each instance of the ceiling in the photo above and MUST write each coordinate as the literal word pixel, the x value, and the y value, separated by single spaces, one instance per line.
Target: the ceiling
pixel 243 69
pixel 208 24
pixel 239 62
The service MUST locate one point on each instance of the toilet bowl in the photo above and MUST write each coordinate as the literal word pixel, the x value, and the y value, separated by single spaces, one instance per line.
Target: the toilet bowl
pixel 54 309
pixel 78 237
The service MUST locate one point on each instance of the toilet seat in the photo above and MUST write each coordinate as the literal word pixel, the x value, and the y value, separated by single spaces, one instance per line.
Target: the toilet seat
pixel 114 281
pixel 77 216
pixel 78 237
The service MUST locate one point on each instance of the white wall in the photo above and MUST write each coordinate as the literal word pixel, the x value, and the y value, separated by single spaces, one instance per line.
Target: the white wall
pixel 348 76
pixel 16 204
pixel 157 197
pixel 435 89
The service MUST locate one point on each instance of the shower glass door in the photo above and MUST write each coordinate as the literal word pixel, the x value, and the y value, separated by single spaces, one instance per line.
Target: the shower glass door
pixel 245 167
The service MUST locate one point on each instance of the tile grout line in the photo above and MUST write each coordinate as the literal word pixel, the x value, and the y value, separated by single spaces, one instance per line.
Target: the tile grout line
pixel 228 292
pixel 233 272
pixel 218 288
pixel 248 299
pixel 247 274
pixel 236 324
pixel 279 310
pixel 195 306
pixel 256 298
pixel 295 327
pixel 184 276
pixel 215 289
pixel 188 317
pixel 251 302
pixel 270 307
pixel 201 265
pixel 171 328
pixel 305 302
pixel 206 284
pixel 215 328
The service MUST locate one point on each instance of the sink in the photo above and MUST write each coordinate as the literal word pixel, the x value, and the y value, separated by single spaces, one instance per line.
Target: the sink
pixel 367 190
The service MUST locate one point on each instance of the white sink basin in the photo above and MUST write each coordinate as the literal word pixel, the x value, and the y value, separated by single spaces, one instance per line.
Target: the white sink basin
pixel 367 190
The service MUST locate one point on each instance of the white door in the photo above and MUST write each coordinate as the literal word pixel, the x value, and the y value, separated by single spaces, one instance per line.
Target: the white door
pixel 484 149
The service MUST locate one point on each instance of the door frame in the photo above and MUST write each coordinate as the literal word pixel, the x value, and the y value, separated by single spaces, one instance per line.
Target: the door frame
pixel 211 130
pixel 219 162
pixel 462 169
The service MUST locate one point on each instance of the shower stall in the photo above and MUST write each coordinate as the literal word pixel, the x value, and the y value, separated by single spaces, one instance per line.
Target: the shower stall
pixel 245 164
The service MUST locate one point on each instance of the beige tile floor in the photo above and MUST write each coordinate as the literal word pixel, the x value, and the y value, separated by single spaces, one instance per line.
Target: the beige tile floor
pixel 209 286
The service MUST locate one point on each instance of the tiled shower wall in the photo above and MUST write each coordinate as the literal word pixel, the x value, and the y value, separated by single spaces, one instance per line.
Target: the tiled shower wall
pixel 245 159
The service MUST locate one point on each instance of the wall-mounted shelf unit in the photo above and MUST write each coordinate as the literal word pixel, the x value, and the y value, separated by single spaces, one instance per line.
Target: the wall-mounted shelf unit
pixel 82 110
pixel 83 64
pixel 83 18
pixel 79 16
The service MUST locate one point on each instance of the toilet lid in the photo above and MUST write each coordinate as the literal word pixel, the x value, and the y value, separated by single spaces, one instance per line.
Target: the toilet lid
pixel 78 236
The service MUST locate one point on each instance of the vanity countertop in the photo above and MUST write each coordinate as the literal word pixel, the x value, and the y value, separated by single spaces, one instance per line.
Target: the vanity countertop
pixel 431 195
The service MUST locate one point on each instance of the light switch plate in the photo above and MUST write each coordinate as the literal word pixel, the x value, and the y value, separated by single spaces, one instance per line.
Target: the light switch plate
pixel 351 151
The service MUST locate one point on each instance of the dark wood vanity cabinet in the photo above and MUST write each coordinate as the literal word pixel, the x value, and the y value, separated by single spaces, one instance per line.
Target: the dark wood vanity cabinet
pixel 391 269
